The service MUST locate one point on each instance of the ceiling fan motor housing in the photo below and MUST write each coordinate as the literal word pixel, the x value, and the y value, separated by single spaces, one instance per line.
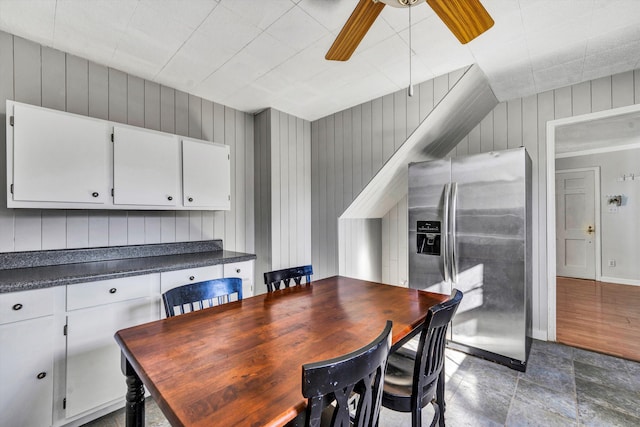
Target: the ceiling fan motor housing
pixel 398 3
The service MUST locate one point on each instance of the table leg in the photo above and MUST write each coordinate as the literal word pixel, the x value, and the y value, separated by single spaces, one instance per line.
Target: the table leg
pixel 134 406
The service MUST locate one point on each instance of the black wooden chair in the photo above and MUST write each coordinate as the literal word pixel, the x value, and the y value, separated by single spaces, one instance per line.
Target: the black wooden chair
pixel 273 279
pixel 330 385
pixel 415 379
pixel 197 296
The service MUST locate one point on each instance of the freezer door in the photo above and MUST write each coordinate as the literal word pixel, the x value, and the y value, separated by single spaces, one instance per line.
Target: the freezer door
pixel 489 245
pixel 428 182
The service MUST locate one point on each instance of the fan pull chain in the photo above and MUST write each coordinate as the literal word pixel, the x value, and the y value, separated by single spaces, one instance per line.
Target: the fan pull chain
pixel 410 81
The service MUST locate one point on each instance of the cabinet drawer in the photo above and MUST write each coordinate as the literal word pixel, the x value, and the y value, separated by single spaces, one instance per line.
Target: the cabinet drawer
pixel 243 270
pixel 172 279
pixel 22 305
pixel 90 294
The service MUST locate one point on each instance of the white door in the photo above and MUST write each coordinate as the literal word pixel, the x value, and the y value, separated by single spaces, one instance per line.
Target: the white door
pixel 575 224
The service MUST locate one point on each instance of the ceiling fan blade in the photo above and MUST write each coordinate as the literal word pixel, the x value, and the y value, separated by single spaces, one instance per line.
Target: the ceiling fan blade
pixel 466 19
pixel 354 30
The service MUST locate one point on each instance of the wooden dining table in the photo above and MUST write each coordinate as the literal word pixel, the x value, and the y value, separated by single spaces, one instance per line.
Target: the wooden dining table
pixel 240 364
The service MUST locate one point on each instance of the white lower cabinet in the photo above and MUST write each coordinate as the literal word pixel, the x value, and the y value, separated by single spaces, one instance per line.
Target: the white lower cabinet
pixel 243 270
pixel 26 373
pixel 96 311
pixel 59 361
pixel 26 358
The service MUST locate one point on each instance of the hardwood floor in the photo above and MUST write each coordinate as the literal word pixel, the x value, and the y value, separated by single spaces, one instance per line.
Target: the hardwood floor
pixel 599 316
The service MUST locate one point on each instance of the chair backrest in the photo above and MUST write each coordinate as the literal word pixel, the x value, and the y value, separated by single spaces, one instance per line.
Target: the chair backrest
pixel 273 279
pixel 197 296
pixel 361 372
pixel 430 352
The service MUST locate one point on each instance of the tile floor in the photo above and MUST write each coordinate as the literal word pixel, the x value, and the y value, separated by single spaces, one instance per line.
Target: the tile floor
pixel 563 386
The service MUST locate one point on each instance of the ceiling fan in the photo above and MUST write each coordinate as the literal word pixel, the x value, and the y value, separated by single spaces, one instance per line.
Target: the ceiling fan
pixel 466 19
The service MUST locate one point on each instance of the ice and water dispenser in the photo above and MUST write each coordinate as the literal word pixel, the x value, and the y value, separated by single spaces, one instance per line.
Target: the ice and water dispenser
pixel 428 237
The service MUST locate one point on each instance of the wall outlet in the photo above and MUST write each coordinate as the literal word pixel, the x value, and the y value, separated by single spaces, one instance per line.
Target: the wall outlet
pixel 612 263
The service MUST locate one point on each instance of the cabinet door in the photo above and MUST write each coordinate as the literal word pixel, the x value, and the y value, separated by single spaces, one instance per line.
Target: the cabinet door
pixel 206 175
pixel 58 157
pixel 26 373
pixel 94 377
pixel 145 167
pixel 243 270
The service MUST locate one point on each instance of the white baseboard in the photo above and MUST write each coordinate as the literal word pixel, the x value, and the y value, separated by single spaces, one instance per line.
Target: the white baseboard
pixel 620 281
pixel 539 334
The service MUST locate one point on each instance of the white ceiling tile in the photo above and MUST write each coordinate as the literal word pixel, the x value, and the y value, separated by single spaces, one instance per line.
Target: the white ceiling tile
pixel 385 51
pixel 559 75
pixel 219 85
pixel 613 39
pixel 308 62
pixel 195 61
pixel 92 29
pixel 224 27
pixel 540 14
pixel 613 61
pixel 297 29
pixel 266 52
pixel 40 25
pixel 331 14
pixel 245 99
pixel 259 13
pixel 190 13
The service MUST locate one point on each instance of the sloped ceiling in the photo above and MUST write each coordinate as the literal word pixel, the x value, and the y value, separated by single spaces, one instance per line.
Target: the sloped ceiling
pixel 254 54
pixel 462 108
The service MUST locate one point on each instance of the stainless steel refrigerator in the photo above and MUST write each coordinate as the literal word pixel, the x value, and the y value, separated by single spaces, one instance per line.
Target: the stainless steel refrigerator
pixel 470 229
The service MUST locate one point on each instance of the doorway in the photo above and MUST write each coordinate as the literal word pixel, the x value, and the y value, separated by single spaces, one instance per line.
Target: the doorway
pixel 588 134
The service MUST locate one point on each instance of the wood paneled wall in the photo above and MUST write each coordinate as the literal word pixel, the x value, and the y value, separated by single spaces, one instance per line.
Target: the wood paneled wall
pixel 283 192
pixel 347 150
pixel 42 76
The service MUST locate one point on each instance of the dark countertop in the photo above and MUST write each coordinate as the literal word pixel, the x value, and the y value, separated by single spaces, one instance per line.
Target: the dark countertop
pixel 22 279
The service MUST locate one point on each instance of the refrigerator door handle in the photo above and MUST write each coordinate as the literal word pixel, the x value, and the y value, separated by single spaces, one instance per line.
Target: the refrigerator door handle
pixel 452 240
pixel 445 233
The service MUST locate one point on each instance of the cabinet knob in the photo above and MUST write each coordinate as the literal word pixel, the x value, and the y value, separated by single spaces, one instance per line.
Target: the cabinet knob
pixel 41 375
pixel 17 306
pixel 237 270
pixel 191 277
pixel 169 198
pixel 95 194
pixel 113 290
pixel 190 199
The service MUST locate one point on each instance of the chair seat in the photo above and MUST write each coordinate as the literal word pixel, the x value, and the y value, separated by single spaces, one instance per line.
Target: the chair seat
pixel 399 371
pixel 398 383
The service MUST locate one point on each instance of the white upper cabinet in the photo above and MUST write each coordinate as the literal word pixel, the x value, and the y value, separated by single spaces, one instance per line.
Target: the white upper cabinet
pixel 59 160
pixel 145 167
pixel 206 175
pixel 57 157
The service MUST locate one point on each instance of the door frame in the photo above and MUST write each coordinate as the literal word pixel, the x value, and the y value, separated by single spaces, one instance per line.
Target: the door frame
pixel 551 199
pixel 596 207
